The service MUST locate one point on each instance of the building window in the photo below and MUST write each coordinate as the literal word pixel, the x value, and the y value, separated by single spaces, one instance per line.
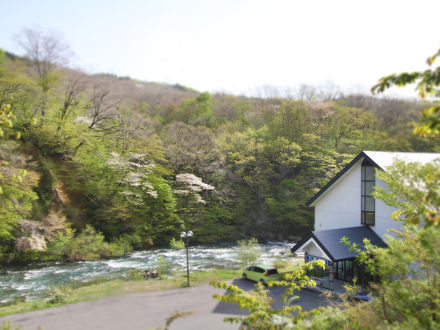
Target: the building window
pixel 347 270
pixel 367 201
pixel 344 270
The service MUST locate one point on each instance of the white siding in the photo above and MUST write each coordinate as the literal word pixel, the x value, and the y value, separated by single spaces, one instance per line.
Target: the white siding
pixel 313 249
pixel 383 215
pixel 340 205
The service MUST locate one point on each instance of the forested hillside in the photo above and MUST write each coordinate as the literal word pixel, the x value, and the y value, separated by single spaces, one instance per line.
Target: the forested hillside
pixel 92 165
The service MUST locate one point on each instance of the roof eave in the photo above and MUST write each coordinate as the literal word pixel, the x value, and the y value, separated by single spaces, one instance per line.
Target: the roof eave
pixel 341 173
pixel 305 239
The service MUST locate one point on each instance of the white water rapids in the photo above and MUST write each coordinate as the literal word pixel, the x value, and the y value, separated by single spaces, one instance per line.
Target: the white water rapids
pixel 36 280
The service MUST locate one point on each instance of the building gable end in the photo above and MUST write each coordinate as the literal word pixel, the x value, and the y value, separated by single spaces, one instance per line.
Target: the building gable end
pixel 340 174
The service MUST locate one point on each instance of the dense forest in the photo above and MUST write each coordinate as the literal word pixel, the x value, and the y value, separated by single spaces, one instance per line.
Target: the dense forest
pixel 97 165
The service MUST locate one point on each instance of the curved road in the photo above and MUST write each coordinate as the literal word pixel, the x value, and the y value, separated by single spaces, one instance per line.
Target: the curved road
pixel 149 310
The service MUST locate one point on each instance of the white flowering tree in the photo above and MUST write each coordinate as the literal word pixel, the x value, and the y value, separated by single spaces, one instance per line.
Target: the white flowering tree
pixel 191 190
pixel 144 206
pixel 134 171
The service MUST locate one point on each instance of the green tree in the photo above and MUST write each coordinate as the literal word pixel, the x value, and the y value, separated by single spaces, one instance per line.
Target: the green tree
pixel 346 127
pixel 246 156
pixel 413 189
pixel 87 245
pixel 143 201
pixel 248 251
pixel 196 111
pixel 291 120
pixel 190 199
pixel 177 244
pixel 427 84
pixel 16 197
pixel 192 149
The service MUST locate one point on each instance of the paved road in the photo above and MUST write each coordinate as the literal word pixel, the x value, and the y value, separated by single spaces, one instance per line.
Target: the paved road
pixel 149 310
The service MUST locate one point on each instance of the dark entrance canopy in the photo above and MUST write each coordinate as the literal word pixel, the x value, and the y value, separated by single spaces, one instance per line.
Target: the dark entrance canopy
pixel 330 241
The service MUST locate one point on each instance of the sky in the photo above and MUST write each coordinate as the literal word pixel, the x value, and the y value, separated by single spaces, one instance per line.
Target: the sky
pixel 237 46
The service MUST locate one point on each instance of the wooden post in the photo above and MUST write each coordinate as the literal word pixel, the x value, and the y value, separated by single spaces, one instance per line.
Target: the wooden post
pixel 331 267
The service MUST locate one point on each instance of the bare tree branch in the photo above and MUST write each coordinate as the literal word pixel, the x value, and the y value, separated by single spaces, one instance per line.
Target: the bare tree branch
pixel 45 49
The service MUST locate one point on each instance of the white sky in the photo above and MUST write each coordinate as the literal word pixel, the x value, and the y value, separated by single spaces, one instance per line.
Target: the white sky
pixel 236 45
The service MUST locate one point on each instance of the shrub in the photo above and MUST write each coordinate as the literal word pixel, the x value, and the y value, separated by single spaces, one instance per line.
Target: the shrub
pixel 88 245
pixel 177 244
pixel 248 251
pixel 135 274
pixel 8 326
pixel 280 263
pixel 163 266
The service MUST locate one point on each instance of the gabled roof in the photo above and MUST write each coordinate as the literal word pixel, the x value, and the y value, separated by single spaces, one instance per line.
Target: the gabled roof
pixel 380 160
pixel 385 158
pixel 330 241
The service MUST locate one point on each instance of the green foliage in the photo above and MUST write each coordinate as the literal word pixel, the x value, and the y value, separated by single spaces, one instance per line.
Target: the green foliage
pixel 280 263
pixel 6 118
pixel 358 316
pixel 16 197
pixel 407 293
pixel 190 200
pixel 58 296
pixel 162 266
pixel 257 302
pixel 265 157
pixel 87 245
pixel 196 111
pixel 136 274
pixel 174 316
pixel 248 251
pixel 413 190
pixel 427 84
pixel 177 244
pixel 15 203
pixel 217 224
pixel 8 326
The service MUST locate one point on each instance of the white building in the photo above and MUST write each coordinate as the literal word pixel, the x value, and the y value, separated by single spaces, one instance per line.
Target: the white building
pixel 345 207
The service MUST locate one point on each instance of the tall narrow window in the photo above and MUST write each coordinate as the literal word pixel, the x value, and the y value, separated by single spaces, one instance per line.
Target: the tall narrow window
pixel 367 201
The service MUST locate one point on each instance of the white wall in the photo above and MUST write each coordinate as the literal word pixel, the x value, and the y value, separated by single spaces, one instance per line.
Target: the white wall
pixel 340 205
pixel 313 249
pixel 383 215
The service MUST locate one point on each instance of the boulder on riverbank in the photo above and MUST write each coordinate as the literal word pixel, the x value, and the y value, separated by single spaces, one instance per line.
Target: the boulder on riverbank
pixel 137 274
pixel 35 243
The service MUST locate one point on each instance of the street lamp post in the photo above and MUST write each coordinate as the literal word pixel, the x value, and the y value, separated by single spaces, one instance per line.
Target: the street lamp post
pixel 187 235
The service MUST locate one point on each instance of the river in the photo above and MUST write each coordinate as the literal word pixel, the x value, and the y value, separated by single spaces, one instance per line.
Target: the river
pixel 36 280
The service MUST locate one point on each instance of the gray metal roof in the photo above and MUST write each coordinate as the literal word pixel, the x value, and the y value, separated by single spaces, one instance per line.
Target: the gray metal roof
pixel 330 241
pixel 385 158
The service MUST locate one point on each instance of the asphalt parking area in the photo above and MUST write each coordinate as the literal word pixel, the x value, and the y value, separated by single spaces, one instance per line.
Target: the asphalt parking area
pixel 308 299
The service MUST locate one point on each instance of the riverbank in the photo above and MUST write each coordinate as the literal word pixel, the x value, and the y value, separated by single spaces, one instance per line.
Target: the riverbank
pixel 94 291
pixel 38 280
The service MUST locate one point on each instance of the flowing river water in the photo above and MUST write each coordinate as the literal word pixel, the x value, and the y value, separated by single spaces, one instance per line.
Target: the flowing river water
pixel 36 280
